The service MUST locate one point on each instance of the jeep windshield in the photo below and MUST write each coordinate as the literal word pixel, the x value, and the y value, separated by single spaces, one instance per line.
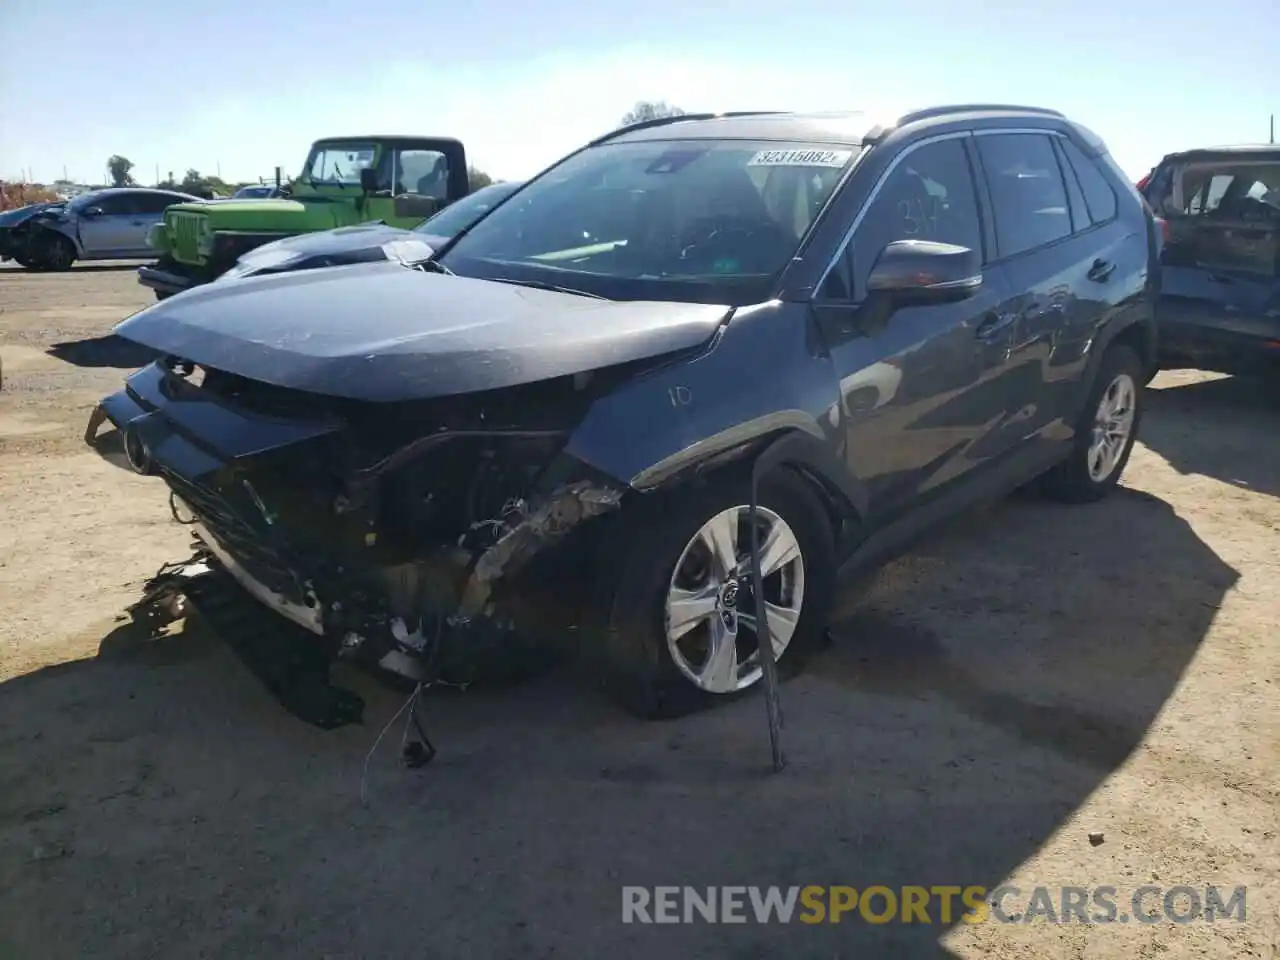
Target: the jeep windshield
pixel 707 221
pixel 338 164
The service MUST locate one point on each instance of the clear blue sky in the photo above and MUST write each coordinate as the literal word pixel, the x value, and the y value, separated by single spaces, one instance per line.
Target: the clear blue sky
pixel 248 85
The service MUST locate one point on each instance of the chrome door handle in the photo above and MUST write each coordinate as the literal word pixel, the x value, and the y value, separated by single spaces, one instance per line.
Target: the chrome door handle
pixel 1101 270
pixel 994 324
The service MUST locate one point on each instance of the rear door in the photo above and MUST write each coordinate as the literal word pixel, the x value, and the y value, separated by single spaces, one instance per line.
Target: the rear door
pixel 148 209
pixel 1220 305
pixel 1066 254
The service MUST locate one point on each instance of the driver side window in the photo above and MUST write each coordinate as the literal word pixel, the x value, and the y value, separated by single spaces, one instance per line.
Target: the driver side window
pixel 422 173
pixel 928 196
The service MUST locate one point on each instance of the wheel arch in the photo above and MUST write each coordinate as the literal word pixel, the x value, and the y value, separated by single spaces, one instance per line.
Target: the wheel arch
pixel 73 237
pixel 843 499
pixel 1135 333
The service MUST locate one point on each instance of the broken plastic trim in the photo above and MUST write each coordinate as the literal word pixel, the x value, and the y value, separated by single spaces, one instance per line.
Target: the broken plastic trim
pixel 529 531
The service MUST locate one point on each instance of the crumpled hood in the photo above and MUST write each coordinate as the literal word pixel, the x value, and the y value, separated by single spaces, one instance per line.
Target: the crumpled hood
pixel 12 218
pixel 385 332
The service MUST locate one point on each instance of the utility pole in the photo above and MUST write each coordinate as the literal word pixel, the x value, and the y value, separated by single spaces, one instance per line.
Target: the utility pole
pixel 1273 128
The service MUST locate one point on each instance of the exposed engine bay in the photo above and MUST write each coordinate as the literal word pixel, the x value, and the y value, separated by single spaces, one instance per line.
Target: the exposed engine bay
pixel 392 531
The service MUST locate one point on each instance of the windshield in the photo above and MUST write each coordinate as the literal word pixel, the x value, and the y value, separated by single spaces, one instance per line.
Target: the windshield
pixel 461 214
pixel 695 220
pixel 338 163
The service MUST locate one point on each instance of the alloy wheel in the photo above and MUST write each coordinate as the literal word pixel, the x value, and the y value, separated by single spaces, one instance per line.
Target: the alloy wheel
pixel 710 604
pixel 1112 427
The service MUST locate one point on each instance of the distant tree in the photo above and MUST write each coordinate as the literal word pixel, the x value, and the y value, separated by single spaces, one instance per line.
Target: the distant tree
pixel 650 110
pixel 200 185
pixel 119 167
pixel 477 178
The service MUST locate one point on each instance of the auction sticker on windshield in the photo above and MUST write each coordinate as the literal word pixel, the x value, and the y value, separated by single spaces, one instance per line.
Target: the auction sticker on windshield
pixel 800 158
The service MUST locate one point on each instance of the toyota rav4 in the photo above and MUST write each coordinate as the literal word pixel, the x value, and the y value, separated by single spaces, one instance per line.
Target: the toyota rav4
pixel 699 345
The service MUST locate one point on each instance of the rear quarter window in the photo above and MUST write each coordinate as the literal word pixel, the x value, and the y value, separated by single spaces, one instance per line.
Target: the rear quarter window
pixel 1099 196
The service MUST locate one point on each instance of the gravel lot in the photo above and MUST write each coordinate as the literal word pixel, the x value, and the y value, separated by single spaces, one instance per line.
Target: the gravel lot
pixel 1029 677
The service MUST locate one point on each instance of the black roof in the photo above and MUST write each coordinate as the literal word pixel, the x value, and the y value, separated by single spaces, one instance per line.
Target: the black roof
pixel 1243 150
pixel 852 128
pixel 389 138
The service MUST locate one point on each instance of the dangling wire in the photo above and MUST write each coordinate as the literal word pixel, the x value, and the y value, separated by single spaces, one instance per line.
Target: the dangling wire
pixel 364 776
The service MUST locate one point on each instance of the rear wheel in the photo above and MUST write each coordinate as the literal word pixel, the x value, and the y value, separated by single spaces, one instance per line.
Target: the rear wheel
pixel 1106 432
pixel 681 625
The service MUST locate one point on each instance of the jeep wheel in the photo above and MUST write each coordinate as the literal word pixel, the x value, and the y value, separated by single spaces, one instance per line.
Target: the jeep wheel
pixel 1106 432
pixel 681 624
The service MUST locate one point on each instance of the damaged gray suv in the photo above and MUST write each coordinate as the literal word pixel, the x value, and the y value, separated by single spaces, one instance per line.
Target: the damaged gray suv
pixel 694 342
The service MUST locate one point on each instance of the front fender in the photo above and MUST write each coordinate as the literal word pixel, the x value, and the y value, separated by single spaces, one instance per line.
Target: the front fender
pixel 764 376
pixel 68 228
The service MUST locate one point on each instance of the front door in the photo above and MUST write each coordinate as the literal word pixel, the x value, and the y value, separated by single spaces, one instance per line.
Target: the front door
pixel 106 227
pixel 921 387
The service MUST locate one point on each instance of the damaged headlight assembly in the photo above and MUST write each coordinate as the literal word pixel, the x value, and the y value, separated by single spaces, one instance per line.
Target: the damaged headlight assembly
pixel 390 558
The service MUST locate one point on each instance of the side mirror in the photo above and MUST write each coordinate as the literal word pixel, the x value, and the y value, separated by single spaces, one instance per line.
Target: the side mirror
pixel 368 180
pixel 919 272
pixel 412 205
pixel 92 212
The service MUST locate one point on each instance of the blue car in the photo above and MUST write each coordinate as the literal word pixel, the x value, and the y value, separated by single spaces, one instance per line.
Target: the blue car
pixel 1219 306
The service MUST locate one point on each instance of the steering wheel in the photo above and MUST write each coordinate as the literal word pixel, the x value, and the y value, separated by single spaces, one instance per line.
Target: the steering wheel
pixel 727 236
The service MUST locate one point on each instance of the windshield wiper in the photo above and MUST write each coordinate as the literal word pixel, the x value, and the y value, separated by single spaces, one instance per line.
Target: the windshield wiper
pixel 433 266
pixel 543 285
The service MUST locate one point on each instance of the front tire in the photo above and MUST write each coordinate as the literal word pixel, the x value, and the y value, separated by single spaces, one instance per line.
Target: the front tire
pixel 680 616
pixel 1105 433
pixel 53 252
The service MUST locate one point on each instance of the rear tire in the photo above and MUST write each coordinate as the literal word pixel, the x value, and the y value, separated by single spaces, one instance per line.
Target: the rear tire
pixel 660 547
pixel 1105 433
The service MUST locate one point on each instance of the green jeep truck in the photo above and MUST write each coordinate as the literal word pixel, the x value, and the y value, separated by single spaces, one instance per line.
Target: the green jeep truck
pixel 345 181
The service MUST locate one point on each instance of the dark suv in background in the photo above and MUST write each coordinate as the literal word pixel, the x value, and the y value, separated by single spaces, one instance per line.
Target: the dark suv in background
pixel 1220 301
pixel 551 427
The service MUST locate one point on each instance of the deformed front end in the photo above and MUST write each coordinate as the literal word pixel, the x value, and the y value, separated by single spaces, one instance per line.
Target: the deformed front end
pixel 399 533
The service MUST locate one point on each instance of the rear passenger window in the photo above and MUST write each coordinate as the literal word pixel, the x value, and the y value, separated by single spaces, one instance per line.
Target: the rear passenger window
pixel 1098 195
pixel 928 196
pixel 1027 192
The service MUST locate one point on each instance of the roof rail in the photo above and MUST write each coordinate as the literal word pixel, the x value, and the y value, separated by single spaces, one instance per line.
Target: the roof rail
pixel 928 113
pixel 663 121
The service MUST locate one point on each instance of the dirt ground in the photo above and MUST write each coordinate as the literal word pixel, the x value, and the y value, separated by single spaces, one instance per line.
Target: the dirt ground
pixel 1034 675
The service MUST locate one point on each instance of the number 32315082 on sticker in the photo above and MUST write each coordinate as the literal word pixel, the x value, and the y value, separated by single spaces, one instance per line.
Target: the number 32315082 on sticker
pixel 800 158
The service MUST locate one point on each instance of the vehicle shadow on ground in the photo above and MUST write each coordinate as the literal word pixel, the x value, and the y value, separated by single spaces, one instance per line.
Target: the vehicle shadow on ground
pixel 976 694
pixel 105 351
pixel 1212 428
